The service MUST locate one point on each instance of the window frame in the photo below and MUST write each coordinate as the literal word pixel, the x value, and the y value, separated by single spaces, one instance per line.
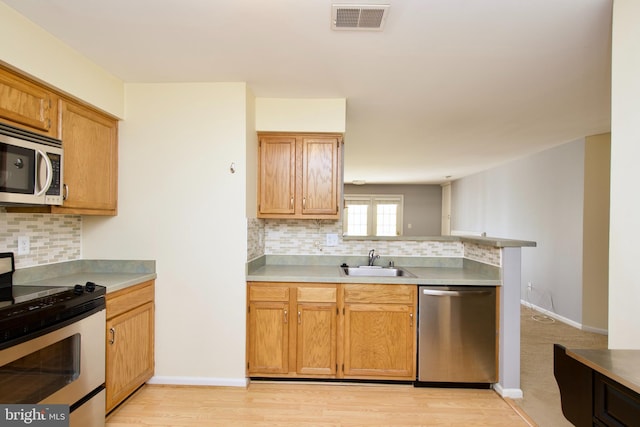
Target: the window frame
pixel 372 201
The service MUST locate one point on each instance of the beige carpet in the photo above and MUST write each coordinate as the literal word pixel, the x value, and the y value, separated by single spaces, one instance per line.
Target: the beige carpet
pixel 538 334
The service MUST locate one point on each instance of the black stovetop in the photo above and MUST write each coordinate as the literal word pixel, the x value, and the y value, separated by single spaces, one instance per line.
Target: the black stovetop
pixel 35 309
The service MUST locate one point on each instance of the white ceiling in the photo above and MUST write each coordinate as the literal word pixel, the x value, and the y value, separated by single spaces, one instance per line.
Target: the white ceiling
pixel 449 88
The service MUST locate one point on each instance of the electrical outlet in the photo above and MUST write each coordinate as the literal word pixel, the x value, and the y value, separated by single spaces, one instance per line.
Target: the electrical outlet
pixel 529 286
pixel 24 246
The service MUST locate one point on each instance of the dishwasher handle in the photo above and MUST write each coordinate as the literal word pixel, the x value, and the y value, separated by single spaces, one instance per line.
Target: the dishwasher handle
pixel 441 293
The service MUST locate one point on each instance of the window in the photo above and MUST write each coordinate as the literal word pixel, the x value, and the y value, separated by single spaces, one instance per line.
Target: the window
pixel 372 215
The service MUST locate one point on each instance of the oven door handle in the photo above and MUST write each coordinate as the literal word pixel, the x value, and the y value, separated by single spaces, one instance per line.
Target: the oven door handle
pixel 112 331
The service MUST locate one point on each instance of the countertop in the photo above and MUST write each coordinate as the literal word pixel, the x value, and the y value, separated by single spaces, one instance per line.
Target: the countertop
pixel 112 274
pixel 619 365
pixel 443 271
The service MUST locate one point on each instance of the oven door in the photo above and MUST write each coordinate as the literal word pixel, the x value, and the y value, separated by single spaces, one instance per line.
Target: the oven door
pixel 66 366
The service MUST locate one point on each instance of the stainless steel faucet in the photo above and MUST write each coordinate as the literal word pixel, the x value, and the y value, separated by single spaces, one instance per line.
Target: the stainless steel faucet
pixel 372 257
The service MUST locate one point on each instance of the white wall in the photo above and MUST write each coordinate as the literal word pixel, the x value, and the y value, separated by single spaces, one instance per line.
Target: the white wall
pixel 537 198
pixel 624 250
pixel 301 115
pixel 30 49
pixel 180 204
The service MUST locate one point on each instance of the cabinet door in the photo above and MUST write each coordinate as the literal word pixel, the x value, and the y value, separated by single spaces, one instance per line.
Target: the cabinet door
pixel 268 345
pixel 277 175
pixel 130 360
pixel 316 339
pixel 379 341
pixel 320 176
pixel 27 105
pixel 90 164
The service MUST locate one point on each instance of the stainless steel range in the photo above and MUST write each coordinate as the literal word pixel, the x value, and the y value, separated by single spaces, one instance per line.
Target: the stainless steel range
pixel 52 346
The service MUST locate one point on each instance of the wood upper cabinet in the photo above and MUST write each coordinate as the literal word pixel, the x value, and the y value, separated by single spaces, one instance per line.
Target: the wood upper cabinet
pixel 380 332
pixel 299 175
pixel 291 330
pixel 89 139
pixel 28 105
pixel 90 142
pixel 277 175
pixel 130 341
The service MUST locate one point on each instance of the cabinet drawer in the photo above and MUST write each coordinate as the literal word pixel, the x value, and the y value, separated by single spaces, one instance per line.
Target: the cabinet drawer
pixel 317 294
pixel 614 404
pixel 268 293
pixel 130 298
pixel 387 294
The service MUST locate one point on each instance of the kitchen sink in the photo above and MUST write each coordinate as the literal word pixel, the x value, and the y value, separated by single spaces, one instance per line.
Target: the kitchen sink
pixel 374 271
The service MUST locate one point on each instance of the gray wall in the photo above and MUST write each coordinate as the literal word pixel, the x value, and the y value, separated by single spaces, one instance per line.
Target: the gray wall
pixel 422 205
pixel 537 198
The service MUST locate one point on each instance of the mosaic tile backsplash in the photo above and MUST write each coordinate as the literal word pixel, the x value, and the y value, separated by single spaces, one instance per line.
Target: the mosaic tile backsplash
pixel 57 238
pixel 308 237
pixel 485 254
pixel 52 238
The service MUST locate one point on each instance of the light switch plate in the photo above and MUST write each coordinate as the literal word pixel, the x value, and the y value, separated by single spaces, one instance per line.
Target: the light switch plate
pixel 332 239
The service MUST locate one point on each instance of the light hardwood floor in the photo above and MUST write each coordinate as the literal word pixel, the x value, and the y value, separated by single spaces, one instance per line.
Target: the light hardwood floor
pixel 303 404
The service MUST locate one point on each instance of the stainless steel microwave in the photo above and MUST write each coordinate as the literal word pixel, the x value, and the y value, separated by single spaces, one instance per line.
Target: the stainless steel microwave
pixel 31 167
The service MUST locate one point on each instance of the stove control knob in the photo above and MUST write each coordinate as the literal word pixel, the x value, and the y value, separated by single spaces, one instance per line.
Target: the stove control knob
pixel 90 287
pixel 78 290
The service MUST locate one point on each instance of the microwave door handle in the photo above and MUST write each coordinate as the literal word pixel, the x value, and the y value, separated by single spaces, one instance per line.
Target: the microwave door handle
pixel 49 173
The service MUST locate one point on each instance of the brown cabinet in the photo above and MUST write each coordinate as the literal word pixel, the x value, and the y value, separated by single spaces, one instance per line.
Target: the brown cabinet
pixel 89 138
pixel 306 331
pixel 299 175
pixel 591 386
pixel 28 105
pixel 379 331
pixel 130 341
pixel 292 330
pixel 90 142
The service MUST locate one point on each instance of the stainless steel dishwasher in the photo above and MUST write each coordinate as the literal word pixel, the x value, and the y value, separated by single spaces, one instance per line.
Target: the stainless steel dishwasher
pixel 457 335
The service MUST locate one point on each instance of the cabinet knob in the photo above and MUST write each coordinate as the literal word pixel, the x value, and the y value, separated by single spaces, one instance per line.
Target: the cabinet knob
pixel 286 317
pixel 112 340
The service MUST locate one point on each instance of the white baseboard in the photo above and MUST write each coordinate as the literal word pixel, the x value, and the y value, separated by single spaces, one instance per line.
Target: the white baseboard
pixel 512 393
pixel 595 330
pixel 199 381
pixel 564 319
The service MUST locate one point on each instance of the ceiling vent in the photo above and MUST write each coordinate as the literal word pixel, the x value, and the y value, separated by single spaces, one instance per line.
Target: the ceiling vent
pixel 369 17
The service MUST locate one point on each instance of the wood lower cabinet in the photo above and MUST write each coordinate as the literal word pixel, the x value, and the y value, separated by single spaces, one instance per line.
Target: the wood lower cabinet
pixel 130 341
pixel 379 331
pixel 28 105
pixel 291 330
pixel 331 331
pixel 299 176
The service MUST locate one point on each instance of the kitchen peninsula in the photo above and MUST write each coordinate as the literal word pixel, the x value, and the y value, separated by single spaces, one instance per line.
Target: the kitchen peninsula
pixel 481 261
